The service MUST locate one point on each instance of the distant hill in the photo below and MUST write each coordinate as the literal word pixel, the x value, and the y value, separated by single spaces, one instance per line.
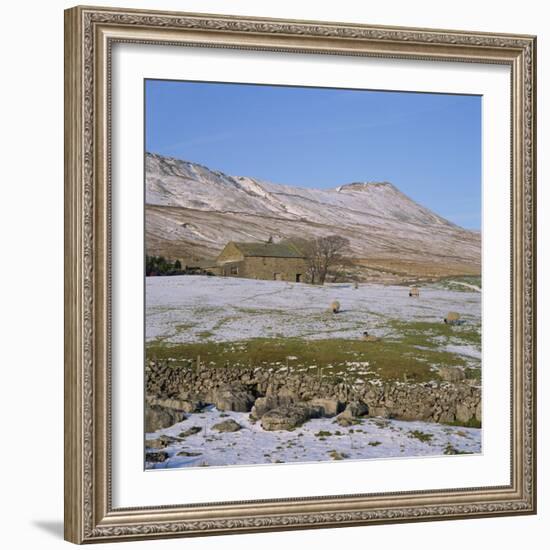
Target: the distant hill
pixel 192 211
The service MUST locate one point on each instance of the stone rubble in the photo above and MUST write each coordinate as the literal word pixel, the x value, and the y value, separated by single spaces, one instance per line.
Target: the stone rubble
pixel 282 400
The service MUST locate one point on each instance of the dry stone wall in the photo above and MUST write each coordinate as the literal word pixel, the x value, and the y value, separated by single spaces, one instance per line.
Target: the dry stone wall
pixel 239 389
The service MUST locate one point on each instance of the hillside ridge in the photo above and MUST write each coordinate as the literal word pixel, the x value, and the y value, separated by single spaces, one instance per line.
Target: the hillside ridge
pixel 208 208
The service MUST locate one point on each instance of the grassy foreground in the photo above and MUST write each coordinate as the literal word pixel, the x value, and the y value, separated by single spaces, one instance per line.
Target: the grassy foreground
pixel 409 353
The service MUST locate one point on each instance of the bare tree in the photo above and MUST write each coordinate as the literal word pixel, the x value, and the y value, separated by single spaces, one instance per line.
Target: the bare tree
pixel 314 261
pixel 323 254
pixel 330 252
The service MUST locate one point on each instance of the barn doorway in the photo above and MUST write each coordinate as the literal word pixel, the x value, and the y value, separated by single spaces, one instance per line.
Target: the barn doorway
pixel 298 277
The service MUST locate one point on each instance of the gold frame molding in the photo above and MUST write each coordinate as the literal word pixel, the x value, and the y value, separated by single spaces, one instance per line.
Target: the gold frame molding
pixel 89 35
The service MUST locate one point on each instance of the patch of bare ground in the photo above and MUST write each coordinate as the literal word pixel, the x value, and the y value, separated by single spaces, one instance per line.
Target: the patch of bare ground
pixel 395 270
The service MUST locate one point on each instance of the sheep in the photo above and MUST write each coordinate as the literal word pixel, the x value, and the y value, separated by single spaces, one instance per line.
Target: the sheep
pixel 414 292
pixel 335 306
pixel 452 318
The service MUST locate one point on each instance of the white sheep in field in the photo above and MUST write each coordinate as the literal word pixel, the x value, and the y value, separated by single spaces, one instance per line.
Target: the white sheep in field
pixel 335 306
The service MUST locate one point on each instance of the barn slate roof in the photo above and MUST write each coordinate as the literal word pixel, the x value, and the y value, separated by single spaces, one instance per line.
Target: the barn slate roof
pixel 269 250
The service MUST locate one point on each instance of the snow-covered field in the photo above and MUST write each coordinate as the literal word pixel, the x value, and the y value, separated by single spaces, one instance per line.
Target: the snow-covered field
pixel 317 440
pixel 195 308
pixel 199 309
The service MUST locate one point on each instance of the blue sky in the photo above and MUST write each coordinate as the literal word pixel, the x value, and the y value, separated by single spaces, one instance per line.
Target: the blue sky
pixel 428 145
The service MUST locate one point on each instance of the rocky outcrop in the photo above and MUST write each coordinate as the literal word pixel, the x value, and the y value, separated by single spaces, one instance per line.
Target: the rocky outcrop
pixel 232 397
pixel 227 426
pixel 330 407
pixel 263 405
pixel 345 421
pixel 156 457
pixel 272 401
pixel 188 453
pixel 260 391
pixel 190 431
pixel 184 405
pixel 157 418
pixel 355 409
pixel 288 417
pixel 160 442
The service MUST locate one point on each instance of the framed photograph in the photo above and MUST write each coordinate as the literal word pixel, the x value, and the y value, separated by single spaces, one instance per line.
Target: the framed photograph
pixel 300 274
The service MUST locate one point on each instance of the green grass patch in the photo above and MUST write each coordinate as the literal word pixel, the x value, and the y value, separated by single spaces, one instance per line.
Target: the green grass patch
pixel 453 283
pixel 184 327
pixel 472 374
pixel 205 334
pixel 388 360
pixel 408 352
pixel 472 423
pixel 434 334
pixel 421 436
pixel 224 321
pixel 260 311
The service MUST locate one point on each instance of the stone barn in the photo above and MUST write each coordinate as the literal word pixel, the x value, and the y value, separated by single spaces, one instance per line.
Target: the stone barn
pixel 269 261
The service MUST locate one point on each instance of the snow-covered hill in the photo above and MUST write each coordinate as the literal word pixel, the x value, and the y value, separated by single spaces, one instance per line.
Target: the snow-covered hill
pixel 193 211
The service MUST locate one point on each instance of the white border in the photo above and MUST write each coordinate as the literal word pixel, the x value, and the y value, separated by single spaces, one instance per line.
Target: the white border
pixel 132 486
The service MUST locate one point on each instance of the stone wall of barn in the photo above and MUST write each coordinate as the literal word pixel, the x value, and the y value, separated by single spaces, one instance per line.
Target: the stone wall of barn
pixel 272 269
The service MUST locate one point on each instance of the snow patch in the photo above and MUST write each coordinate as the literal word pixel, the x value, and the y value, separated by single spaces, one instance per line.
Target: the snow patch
pixel 373 438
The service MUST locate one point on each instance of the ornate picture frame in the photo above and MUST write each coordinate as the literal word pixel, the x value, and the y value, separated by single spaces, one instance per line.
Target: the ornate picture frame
pixel 90 34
